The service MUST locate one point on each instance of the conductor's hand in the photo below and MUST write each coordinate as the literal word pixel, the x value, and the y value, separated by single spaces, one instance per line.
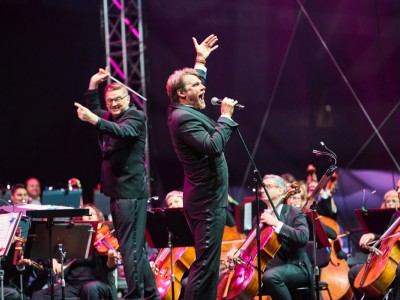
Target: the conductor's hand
pixel 227 107
pixel 365 239
pixel 204 49
pixel 101 76
pixel 85 114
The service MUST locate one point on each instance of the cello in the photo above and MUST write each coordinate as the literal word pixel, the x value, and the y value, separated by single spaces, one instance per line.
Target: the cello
pixel 241 280
pixel 335 273
pixel 379 271
pixel 182 259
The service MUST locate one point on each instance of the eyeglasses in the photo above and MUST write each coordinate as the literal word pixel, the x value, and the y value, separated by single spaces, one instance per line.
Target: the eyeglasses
pixel 116 100
pixel 270 186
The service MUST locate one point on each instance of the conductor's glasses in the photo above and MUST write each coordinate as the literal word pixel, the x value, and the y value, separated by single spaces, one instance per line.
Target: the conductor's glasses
pixel 116 100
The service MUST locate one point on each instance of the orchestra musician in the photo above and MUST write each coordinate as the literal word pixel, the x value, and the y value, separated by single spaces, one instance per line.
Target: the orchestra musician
pixel 122 138
pixel 326 203
pixel 391 200
pixel 34 191
pixel 365 241
pixel 86 278
pixel 19 195
pixel 291 267
pixel 199 143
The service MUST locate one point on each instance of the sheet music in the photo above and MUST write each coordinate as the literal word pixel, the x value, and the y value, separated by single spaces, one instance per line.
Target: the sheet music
pixel 28 207
pixel 248 219
pixel 8 226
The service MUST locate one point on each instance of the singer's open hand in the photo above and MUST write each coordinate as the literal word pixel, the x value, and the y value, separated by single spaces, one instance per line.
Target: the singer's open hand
pixel 228 106
pixel 206 47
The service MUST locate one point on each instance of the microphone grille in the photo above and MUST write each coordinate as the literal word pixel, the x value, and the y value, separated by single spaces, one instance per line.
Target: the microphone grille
pixel 214 101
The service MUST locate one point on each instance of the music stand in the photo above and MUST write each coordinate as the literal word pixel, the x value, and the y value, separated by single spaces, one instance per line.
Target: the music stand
pixel 322 237
pixel 75 238
pixel 50 215
pixel 168 228
pixel 8 226
pixel 375 220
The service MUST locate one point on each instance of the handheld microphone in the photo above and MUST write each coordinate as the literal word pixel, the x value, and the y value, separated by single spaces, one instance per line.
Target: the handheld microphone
pixel 216 101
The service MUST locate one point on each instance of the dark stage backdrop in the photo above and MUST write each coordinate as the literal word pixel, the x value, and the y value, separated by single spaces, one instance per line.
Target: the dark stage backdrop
pixel 270 59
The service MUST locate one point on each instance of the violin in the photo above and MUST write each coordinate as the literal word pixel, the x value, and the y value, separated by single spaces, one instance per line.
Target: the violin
pixel 105 241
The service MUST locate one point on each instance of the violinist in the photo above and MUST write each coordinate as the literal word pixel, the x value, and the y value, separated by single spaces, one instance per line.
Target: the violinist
pixel 291 267
pixel 326 204
pixel 86 278
pixel 299 201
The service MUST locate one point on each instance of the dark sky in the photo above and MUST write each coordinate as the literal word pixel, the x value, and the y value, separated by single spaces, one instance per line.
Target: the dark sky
pixel 270 58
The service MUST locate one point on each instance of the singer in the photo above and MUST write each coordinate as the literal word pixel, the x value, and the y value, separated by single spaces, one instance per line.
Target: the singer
pixel 199 143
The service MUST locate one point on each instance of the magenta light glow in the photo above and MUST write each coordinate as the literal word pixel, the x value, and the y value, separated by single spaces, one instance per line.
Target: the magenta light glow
pixel 127 21
pixel 116 68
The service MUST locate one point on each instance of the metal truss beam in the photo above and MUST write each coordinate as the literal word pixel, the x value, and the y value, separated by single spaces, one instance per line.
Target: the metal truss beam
pixel 123 32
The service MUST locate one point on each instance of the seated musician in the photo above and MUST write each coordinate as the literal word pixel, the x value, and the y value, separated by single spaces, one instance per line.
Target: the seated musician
pixel 326 203
pixel 290 268
pixel 299 200
pixel 19 195
pixel 174 199
pixel 391 200
pixel 86 278
pixel 366 241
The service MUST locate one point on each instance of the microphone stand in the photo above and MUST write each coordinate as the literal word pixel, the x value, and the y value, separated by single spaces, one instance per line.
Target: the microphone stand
pixel 258 183
pixel 324 180
pixel 62 255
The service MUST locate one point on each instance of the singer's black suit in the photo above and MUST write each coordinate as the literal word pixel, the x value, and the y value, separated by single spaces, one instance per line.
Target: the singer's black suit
pixel 199 143
pixel 291 266
pixel 356 269
pixel 122 141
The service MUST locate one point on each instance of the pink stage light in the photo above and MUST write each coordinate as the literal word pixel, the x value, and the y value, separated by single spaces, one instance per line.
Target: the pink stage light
pixel 127 22
pixel 116 68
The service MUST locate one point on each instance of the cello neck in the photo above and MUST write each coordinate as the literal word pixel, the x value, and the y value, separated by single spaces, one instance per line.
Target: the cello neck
pixel 390 230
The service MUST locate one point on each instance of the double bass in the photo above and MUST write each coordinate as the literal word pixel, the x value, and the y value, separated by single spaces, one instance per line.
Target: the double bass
pixel 379 271
pixel 335 273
